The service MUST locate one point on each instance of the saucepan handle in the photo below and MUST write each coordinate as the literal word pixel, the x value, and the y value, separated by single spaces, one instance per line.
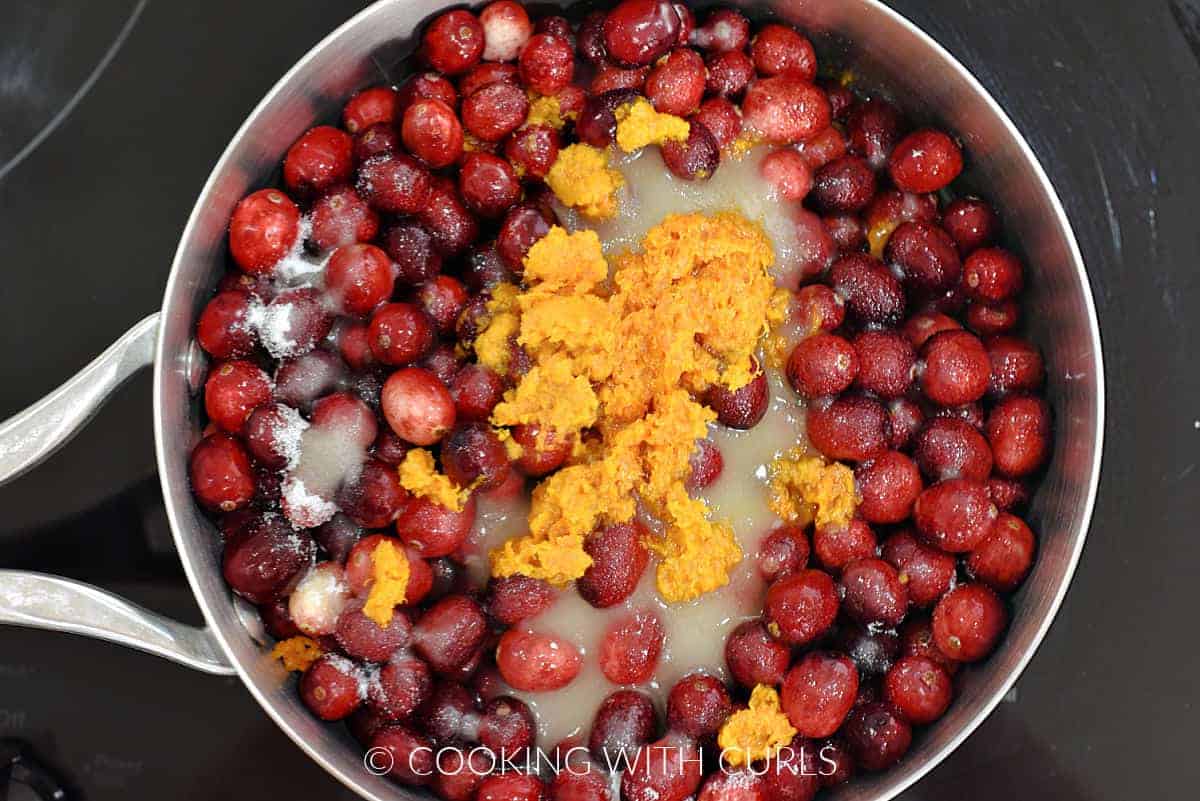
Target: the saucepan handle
pixel 48 602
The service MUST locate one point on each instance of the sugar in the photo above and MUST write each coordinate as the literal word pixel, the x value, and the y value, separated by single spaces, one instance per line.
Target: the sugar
pixel 304 508
pixel 287 432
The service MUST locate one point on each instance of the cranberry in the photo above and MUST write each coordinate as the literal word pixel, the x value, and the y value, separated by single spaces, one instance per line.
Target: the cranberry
pixel 261 565
pixel 511 786
pixel 1019 432
pixel 518 598
pixel 919 688
pixel 755 657
pixel 927 572
pixel 381 139
pixel 448 633
pixel 400 333
pixel 957 368
pixel 887 363
pixel 363 638
pixel 442 299
pixel 801 607
pixel 476 391
pixel 968 621
pixel 262 230
pixel 871 648
pixel 925 161
pixel 846 230
pixel 375 498
pixel 431 132
pixel 631 647
pixel 329 688
pixel 888 487
pixel 220 472
pixel 319 159
pixel 818 693
pixel 360 277
pixel 1008 494
pixel 694 159
pixel 705 466
pixel 1017 366
pixel 222 329
pixel 342 218
pixel 597 122
pixel 992 275
pixel 539 454
pixel 369 107
pixel 676 83
pixel 787 173
pixel 850 428
pixel 394 184
pixel 417 406
pixel 624 723
pixel 877 736
pixel 424 85
pixel 532 150
pixel 740 408
pixel 610 78
pixel 916 639
pixel 486 73
pixel 724 30
pixel 819 308
pixel 666 770
pixel 484 269
pixel 473 456
pixel 872 294
pixel 523 225
pixel 556 25
pixel 822 364
pixel 790 775
pixel 822 148
pixel 590 39
pixel 234 390
pixel 697 705
pixel 785 109
pixel 537 662
pixel 873 129
pixel 449 713
pixel 971 413
pixel 547 64
pixel 955 514
pixel 506 29
pixel 277 620
pixel 742 784
pixel 972 223
pixel 407 755
pixel 300 381
pixel 618 559
pixel 447 220
pixel 873 593
pixel 414 252
pixel 777 49
pixel 638 32
pixel 272 433
pixel 924 256
pixel 905 418
pixel 454 42
pixel 348 414
pixel 581 782
pixel 990 319
pixel 836 546
pixel 729 73
pixel 442 362
pixel 722 119
pixel 843 186
pixel 951 448
pixel 506 726
pixel 431 529
pixel 923 325
pixel 1004 557
pixel 488 184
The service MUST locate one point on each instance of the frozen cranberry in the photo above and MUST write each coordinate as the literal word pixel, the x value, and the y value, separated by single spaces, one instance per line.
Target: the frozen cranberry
pixel 849 428
pixel 431 132
pixel 540 454
pixel 846 230
pixel 369 107
pixel 407 756
pixel 923 325
pixel 777 49
pixel 506 29
pixel 319 159
pixel 844 185
pixel 873 593
pixel 329 688
pixel 801 607
pixel 363 638
pixel 873 129
pixel 375 498
pixel 511 786
pixel 453 42
pixel 728 73
pixel 234 390
pixel 624 723
pixel 927 572
pixel 705 465
pixel 443 299
pixel 318 599
pixel 791 774
pixel 919 688
pixel 925 161
pixel 476 391
pixel 725 29
pixel 785 109
pixel 394 184
pixel 262 230
pixel 532 150
pixel 1018 430
pixel 597 122
pixel 755 657
pixel 300 381
pixel 877 735
pixel 957 368
pixel 992 275
pixel 417 406
pixel 818 308
pixel 887 363
pixel 740 408
pixel 697 705
pixel 402 686
pixel 516 598
pixel 488 184
pixel 547 64
pixel 414 252
pixel 694 159
pixel 951 448
pixel 611 78
pixel 822 364
pixel 924 256
pixel 342 218
pixel 836 546
pixel 272 434
pixel 637 32
pixel 905 418
pixel 787 173
pixel 676 83
pixel 818 693
pixel 222 329
pixel 822 148
pixel 506 726
pixel 1004 557
pixel 433 530
pixel 871 293
pixel 400 333
pixel 665 770
pixel 262 564
pixel 972 223
pixel 721 118
pixel 888 486
pixel 473 456
pixel 537 662
pixel 449 632
pixel 296 320
pixel 360 277
pixel 582 781
pixel 631 647
pixel 347 414
pixel 991 319
pixel 968 621
pixel 523 225
pixel 381 139
pixel 1017 366
pixel 955 514
pixel 447 220
pixel 220 472
pixel 1008 494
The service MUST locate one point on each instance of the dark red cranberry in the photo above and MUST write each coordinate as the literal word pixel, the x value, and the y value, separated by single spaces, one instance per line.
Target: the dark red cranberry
pixel 925 161
pixel 447 220
pixel 818 308
pixel 449 713
pixel 1008 494
pixel 951 448
pixel 540 454
pixel 631 647
pixel 300 381
pixel 846 230
pixel 380 139
pixel 442 362
pixel 408 757
pixel 755 657
pixel 597 122
pixel 927 572
pixel 443 299
pixel 431 132
pixel 822 364
pixel 484 268
pixel 694 159
pixel 590 39
pixel 705 464
pixel 873 593
pixel 363 638
pixel 369 107
pixel 272 435
pixel 296 320
pixel 836 545
pixel 991 319
pixel 791 774
pixel 624 723
pixel 394 184
pixel 453 42
pixel 722 119
pixel 262 230
pixel 801 607
pixel 638 32
pixel 400 333
pixel 1017 366
pixel 337 536
pixel 506 726
pixel 375 498
pixel 724 29
pixel 222 329
pixel 221 475
pixel 448 633
pixel 359 277
pixel 234 390
pixel 488 184
pixel 533 150
pixel 888 486
pixel 957 368
pixel 924 256
pixel 556 25
pixel 547 64
pixel 785 109
pixel 329 688
pixel 968 622
pixel 431 529
pixel 277 619
pixel 1018 430
pixel 740 408
pixel 523 225
pixel 992 275
pixel 777 49
pixel 955 514
pixel 877 735
pixel 261 565
pixel 537 662
pixel 417 406
pixel 871 293
pixel 676 83
pixel 843 186
pixel 414 252
pixel 342 218
pixel 905 417
pixel 818 693
pixel 506 29
pixel 665 770
pixel 476 391
pixel 787 173
pixel 871 648
pixel 850 428
pixel 873 129
pixel 887 363
pixel 1004 557
pixel 972 223
pixel 919 688
pixel 473 456
pixel 729 73
pixel 516 598
pixel 697 705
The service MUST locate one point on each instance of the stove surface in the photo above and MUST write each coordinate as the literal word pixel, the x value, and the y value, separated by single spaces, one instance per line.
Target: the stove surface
pixel 111 115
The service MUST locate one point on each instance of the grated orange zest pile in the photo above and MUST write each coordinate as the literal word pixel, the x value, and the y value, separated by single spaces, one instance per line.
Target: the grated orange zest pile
pixel 296 653
pixel 391 571
pixel 419 475
pixel 639 125
pixel 756 732
pixel 808 488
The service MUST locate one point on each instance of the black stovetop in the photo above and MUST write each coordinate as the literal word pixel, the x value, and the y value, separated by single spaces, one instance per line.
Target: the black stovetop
pixel 127 105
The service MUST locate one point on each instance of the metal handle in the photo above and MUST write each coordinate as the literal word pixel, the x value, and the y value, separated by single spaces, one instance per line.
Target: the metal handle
pixel 48 602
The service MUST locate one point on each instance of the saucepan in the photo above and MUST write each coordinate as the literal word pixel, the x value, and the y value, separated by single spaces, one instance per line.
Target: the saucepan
pixel 885 51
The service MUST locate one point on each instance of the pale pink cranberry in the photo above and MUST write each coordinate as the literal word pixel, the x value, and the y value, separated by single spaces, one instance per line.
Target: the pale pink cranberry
pixel 785 109
pixel 537 662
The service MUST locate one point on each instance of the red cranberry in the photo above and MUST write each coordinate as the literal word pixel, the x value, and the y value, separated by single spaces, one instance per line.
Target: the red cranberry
pixel 916 639
pixel 319 159
pixel 722 119
pixel 724 29
pixel 877 736
pixel 523 225
pixel 506 29
pixel 836 546
pixel 453 42
pixel 486 73
pixel 261 565
pixel 801 607
pixel 968 622
pixel 360 277
pixel 872 294
pixel 1008 494
pixel 705 466
pixel 887 363
pixel 822 148
pixel 394 184
pixel 295 321
pixel 819 308
pixel 788 173
pixel 777 49
pixel 300 381
pixel 381 139
pixel 611 78
pixel 537 662
pixel 506 726
pixel 518 598
pixel 424 85
pixel 850 428
pixel 442 299
pixel 822 364
pixel 1018 430
pixel 873 593
pixel 1017 366
pixel 697 705
pixel 818 693
pixel 234 390
pixel 923 325
pixel 694 159
pixel 329 688
pixel 539 454
pixel 447 220
pixel 624 723
pixel 992 275
pixel 488 184
pixel 348 414
pixel 272 434
pixel 990 319
pixel 957 368
pixel 1004 557
pixel 925 161
pixel 476 391
pixel 400 333
pixel 586 782
pixel 262 230
pixel 676 83
pixel 873 129
pixel 406 755
pixel 631 647
pixel 414 252
pixel 473 456
pixel 927 572
pixel 533 150
pixel 846 230
pixel 785 109
pixel 556 25
pixel 955 514
pixel 924 256
pixel 740 408
pixel 432 132
pixel 342 218
pixel 590 39
pixel 905 417
pixel 417 406
pixel 755 657
pixel 843 186
pixel 375 498
pixel 547 64
pixel 790 775
pixel 363 638
pixel 431 529
pixel 666 770
pixel 222 329
pixel 449 632
pixel 972 223
pixel 888 487
pixel 369 107
pixel 360 568
pixel 950 448
pixel 221 475
pixel 637 32
pixel 971 413
pixel 729 73
pixel 919 688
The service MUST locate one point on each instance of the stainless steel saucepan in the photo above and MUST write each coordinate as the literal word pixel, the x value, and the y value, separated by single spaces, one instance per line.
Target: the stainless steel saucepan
pixel 884 49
